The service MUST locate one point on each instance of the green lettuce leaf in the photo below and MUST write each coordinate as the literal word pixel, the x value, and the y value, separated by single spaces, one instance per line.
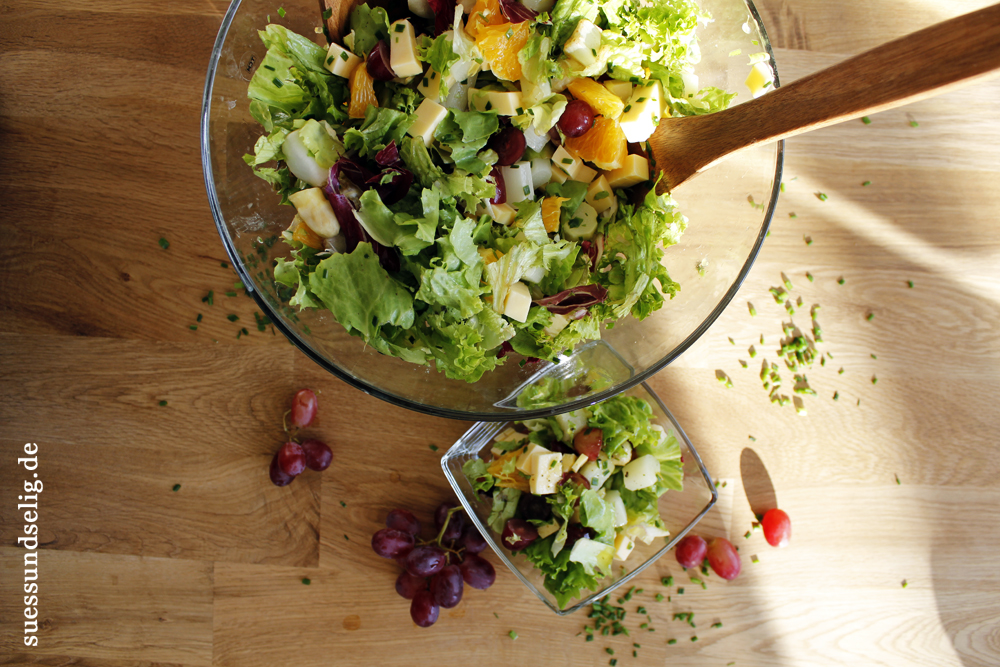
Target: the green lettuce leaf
pixel 437 52
pixel 409 234
pixel 504 506
pixel 380 127
pixel 321 142
pixel 563 578
pixel 463 134
pixel 509 269
pixel 414 154
pixel 369 25
pixel 567 13
pixel 480 478
pixel 597 514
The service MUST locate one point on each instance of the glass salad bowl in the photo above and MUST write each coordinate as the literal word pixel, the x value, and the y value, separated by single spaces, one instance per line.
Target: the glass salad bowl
pixel 729 208
pixel 680 510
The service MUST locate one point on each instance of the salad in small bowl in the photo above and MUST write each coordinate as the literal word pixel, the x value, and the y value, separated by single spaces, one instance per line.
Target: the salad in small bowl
pixel 578 504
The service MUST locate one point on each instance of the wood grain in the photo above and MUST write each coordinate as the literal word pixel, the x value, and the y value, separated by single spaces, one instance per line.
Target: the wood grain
pixel 99 160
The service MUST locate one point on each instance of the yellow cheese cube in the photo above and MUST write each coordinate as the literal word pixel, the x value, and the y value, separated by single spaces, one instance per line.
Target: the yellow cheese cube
pixel 580 461
pixel 559 322
pixel 572 165
pixel 429 116
pixel 526 460
pixel 403 50
pixel 642 112
pixel 558 175
pixel 621 89
pixel 548 529
pixel 340 61
pixel 503 213
pixel 635 170
pixel 582 45
pixel 504 103
pixel 623 546
pixel 760 80
pixel 567 462
pixel 599 194
pixel 547 475
pixel 518 302
pixel 317 212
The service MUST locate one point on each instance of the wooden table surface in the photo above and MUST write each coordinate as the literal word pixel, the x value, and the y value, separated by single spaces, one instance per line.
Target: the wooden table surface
pixel 99 117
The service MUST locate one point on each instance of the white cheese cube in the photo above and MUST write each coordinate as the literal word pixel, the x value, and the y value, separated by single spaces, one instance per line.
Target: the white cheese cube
pixel 582 45
pixel 340 61
pixel 623 455
pixel 534 140
pixel 421 8
pixel 579 463
pixel 526 461
pixel 503 213
pixel 573 166
pixel 548 529
pixel 403 49
pixel 582 226
pixel 642 112
pixel 641 472
pixel 510 435
pixel 571 422
pixel 541 172
pixel 760 80
pixel 623 546
pixel 597 472
pixel 599 194
pixel 548 473
pixel 621 89
pixel 429 116
pixel 635 170
pixel 504 103
pixel 315 209
pixel 559 322
pixel 567 462
pixel 517 178
pixel 518 302
pixel 617 505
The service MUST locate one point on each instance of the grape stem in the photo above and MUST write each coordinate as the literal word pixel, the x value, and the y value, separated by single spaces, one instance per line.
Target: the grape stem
pixel 444 524
pixel 290 432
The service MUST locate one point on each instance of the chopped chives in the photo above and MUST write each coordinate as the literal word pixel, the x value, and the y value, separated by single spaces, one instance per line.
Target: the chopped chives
pixel 224 265
pixel 433 448
pixel 177 487
pixel 866 120
pixel 667 581
pixel 671 641
pixel 841 281
pixel 909 283
pixel 897 480
pixel 753 311
pixel 163 404
pixel 198 318
pixel 164 243
pixel 792 215
pixel 914 123
pixel 866 184
pixel 808 240
pixel 609 651
pixel 870 317
pixel 822 196
pixel 306 581
pixel 511 634
pixel 281 13
pixel 193 327
pixel 232 318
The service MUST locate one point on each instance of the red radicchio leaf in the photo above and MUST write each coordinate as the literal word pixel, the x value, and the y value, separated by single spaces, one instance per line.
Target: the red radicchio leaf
pixel 354 233
pixel 396 188
pixel 516 12
pixel 444 14
pixel 354 171
pixel 388 156
pixel 569 300
pixel 505 349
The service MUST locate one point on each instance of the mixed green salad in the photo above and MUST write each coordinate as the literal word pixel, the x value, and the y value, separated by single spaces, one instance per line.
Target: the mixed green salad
pixel 574 492
pixel 474 179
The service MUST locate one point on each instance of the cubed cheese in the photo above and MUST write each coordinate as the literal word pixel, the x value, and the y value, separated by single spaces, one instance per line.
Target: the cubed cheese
pixel 599 194
pixel 579 463
pixel 403 49
pixel 526 461
pixel 761 79
pixel 503 213
pixel 315 209
pixel 517 178
pixel 430 84
pixel 340 61
pixel 635 170
pixel 582 45
pixel 518 302
pixel 572 165
pixel 567 462
pixel 547 475
pixel 597 472
pixel 504 103
pixel 623 546
pixel 559 322
pixel 621 89
pixel 571 422
pixel 558 174
pixel 429 116
pixel 641 472
pixel 642 112
pixel 547 529
pixel 582 225
pixel 541 171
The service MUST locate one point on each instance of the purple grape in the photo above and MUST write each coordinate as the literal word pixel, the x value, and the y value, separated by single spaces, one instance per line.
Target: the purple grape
pixel 425 560
pixel 291 459
pixel 318 455
pixel 403 520
pixel 472 540
pixel 378 62
pixel 278 476
pixel 501 196
pixel 447 587
pixel 518 534
pixel 477 572
pixel 576 119
pixel 389 543
pixel 423 609
pixel 408 586
pixel 509 145
pixel 534 507
pixel 455 524
pixel 575 532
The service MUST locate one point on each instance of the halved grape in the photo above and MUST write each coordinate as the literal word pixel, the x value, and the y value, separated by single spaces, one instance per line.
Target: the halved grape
pixel 304 406
pixel 501 195
pixel 425 560
pixel 318 455
pixel 509 145
pixel 577 118
pixel 378 62
pixel 575 532
pixel 477 572
pixel 690 551
pixel 588 442
pixel 518 534
pixel 447 586
pixel 777 527
pixel 408 586
pixel 723 558
pixel 403 520
pixel 292 459
pixel 390 543
pixel 534 507
pixel 423 610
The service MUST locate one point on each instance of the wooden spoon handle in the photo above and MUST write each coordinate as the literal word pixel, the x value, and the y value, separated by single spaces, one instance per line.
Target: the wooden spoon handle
pixel 919 65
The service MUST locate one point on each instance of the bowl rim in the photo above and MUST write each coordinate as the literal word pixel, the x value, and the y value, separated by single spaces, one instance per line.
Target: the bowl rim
pixel 438 411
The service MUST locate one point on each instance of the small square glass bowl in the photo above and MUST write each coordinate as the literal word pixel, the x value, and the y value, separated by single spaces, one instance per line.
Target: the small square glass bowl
pixel 680 510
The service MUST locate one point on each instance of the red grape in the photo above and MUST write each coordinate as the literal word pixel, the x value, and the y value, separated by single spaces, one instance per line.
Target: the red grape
pixel 723 558
pixel 303 408
pixel 447 587
pixel 425 560
pixel 477 572
pixel 291 459
pixel 473 542
pixel 408 586
pixel 318 455
pixel 389 543
pixel 501 195
pixel 378 62
pixel 278 476
pixel 691 551
pixel 455 524
pixel 518 534
pixel 575 532
pixel 534 507
pixel 403 520
pixel 423 609
pixel 588 442
pixel 509 145
pixel 577 118
pixel 777 527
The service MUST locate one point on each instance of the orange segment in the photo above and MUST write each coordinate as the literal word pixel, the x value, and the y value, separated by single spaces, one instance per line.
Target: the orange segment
pixel 602 100
pixel 551 210
pixel 484 12
pixel 514 479
pixel 362 92
pixel 604 144
pixel 500 45
pixel 303 234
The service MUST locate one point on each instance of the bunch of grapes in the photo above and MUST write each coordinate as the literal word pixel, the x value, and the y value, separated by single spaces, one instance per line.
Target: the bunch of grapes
pixel 434 571
pixel 294 457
